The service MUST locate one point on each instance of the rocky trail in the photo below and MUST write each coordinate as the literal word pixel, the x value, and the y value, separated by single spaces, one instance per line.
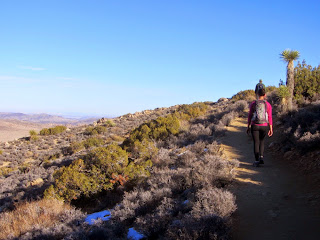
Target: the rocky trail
pixel 275 201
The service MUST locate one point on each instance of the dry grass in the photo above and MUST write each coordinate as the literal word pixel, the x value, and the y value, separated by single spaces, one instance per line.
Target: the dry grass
pixel 31 215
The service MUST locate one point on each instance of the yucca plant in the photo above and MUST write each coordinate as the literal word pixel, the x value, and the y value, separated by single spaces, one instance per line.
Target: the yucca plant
pixel 289 56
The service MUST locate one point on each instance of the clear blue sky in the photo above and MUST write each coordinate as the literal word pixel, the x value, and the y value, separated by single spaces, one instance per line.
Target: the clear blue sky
pixel 113 57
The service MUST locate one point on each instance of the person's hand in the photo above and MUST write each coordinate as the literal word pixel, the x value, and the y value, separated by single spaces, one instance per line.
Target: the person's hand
pixel 270 133
pixel 248 130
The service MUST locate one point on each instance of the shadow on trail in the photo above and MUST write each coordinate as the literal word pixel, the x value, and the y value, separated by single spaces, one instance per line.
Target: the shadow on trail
pixel 273 200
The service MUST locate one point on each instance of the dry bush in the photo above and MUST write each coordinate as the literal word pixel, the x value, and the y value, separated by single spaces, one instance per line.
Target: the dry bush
pixel 155 223
pixel 227 118
pixel 34 215
pixel 208 227
pixel 198 147
pixel 302 128
pixel 163 158
pixel 213 201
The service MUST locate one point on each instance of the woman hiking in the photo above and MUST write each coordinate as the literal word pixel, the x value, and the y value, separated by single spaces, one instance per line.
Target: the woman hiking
pixel 260 119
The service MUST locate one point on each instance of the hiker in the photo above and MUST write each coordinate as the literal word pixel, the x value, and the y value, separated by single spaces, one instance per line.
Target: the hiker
pixel 260 85
pixel 260 119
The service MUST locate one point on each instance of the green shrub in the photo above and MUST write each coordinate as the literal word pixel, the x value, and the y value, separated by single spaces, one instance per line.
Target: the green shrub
pixel 4 171
pixel 271 88
pixel 53 131
pixel 92 142
pixel 32 132
pixel 306 81
pixel 75 147
pixel 101 169
pixel 45 131
pixel 283 92
pixel 95 130
pixel 117 138
pixel 189 111
pixel 248 95
pixel 71 182
pixel 158 129
pixel 34 138
pixel 109 123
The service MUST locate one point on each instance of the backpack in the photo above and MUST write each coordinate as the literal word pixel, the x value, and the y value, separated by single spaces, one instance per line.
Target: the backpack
pixel 258 87
pixel 260 114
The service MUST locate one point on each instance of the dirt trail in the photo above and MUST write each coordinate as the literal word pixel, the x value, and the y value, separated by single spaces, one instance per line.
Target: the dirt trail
pixel 274 201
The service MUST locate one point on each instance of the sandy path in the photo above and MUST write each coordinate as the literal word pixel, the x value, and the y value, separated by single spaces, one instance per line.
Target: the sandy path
pixel 274 201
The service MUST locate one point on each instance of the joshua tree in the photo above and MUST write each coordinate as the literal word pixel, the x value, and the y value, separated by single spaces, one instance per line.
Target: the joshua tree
pixel 289 56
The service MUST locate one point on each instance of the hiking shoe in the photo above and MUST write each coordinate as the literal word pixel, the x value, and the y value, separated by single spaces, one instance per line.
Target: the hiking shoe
pixel 261 160
pixel 256 163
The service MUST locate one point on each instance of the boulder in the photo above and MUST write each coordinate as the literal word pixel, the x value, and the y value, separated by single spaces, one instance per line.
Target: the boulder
pixel 36 182
pixel 223 100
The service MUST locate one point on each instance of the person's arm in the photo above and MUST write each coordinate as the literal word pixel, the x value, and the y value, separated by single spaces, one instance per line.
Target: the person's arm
pixel 270 133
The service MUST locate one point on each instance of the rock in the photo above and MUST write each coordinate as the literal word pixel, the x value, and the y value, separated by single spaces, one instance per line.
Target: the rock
pixel 36 182
pixel 102 120
pixel 223 100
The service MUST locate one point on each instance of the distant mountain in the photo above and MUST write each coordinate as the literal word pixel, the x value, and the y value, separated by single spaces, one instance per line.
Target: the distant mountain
pixel 45 118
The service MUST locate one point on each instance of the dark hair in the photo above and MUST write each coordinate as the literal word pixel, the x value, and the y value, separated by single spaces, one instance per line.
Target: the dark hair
pixel 261 92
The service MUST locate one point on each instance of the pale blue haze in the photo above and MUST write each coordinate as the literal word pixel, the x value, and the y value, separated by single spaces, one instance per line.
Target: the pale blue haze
pixel 109 58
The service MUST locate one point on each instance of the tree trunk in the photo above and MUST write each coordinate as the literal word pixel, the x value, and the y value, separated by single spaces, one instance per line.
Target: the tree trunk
pixel 290 83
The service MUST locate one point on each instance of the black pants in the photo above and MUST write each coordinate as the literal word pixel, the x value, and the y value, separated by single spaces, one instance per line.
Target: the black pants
pixel 258 135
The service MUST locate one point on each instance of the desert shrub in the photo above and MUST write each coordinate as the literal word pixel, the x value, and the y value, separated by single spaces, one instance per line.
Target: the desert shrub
pixel 302 128
pixel 213 201
pixel 227 118
pixel 283 92
pixel 208 227
pixel 95 130
pixel 37 215
pixel 140 142
pixel 1 152
pixel 306 81
pixel 92 142
pixel 54 156
pixel 4 171
pixel 45 131
pixel 76 147
pixel 117 138
pixel 247 95
pixel 163 158
pixel 155 222
pixel 101 169
pixel 109 123
pixel 271 89
pixel 32 132
pixel 144 150
pixel 71 182
pixel 189 111
pixel 180 193
pixel 53 131
pixel 34 138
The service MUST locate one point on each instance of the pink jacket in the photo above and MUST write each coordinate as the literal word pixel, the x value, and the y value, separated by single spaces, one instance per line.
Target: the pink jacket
pixel 269 111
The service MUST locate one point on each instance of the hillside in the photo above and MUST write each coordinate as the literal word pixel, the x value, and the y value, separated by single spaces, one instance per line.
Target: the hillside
pixel 168 173
pixel 181 147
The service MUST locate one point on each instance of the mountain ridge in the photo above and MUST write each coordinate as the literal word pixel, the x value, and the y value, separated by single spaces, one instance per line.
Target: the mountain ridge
pixel 44 118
